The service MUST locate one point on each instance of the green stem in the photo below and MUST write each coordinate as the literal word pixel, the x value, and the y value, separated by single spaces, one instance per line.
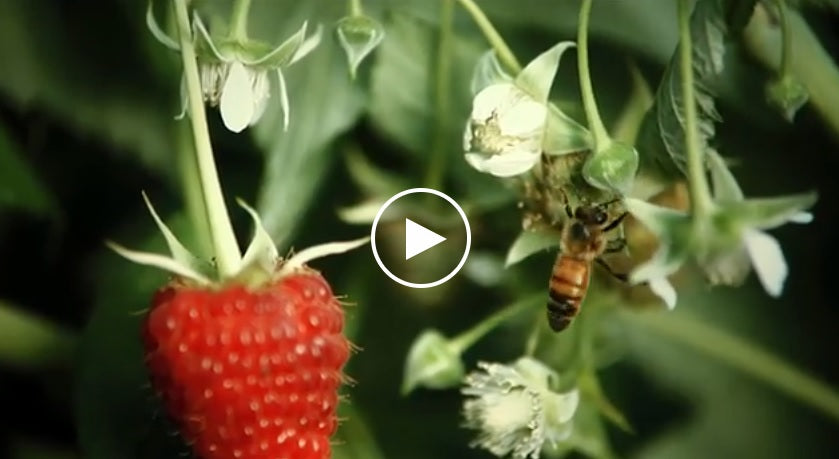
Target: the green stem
pixel 809 62
pixel 239 20
pixel 434 173
pixel 505 55
pixel 786 37
pixel 355 8
pixel 700 196
pixel 225 247
pixel 469 337
pixel 598 130
pixel 629 121
pixel 193 194
pixel 744 356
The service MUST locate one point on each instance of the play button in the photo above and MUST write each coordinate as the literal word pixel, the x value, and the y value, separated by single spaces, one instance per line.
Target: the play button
pixel 418 239
pixel 429 228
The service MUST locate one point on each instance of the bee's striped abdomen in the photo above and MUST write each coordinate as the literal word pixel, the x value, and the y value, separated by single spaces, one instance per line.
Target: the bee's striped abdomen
pixel 567 288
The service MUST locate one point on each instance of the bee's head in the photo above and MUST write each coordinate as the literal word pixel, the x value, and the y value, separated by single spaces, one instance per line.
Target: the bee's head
pixel 591 215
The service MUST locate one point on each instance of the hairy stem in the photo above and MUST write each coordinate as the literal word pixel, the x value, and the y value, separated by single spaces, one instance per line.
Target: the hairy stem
pixel 505 55
pixel 786 37
pixel 700 197
pixel 809 62
pixel 598 130
pixel 355 8
pixel 743 356
pixel 225 247
pixel 239 20
pixel 469 337
pixel 436 165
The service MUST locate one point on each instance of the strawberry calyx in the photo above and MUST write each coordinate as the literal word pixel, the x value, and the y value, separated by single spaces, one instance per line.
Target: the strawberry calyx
pixel 261 264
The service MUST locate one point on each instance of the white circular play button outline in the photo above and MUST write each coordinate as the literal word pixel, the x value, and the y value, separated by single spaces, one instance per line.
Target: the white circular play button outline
pixel 376 225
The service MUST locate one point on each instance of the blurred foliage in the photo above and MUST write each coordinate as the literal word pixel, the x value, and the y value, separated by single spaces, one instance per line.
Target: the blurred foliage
pixel 87 101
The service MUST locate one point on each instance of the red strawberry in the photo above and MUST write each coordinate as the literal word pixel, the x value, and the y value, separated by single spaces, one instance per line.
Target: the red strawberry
pixel 250 373
pixel 248 362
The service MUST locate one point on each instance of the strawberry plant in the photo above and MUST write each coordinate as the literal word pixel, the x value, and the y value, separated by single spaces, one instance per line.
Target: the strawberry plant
pixel 174 176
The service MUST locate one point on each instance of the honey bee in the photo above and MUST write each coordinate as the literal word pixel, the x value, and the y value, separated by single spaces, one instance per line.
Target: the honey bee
pixel 584 239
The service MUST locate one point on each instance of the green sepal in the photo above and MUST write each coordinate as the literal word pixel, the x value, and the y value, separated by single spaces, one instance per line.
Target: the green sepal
pixel 261 254
pixel 179 253
pixel 530 242
pixel 157 32
pixel 160 261
pixel 767 213
pixel 432 362
pixel 300 259
pixel 725 186
pixel 488 71
pixel 538 76
pixel 359 36
pixel 255 53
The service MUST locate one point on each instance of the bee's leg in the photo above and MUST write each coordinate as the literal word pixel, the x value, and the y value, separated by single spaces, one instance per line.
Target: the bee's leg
pixel 619 276
pixel 615 222
pixel 615 245
pixel 568 211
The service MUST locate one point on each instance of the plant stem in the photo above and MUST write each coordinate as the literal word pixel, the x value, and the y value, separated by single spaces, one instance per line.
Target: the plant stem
pixel 355 8
pixel 239 20
pixel 786 37
pixel 743 356
pixel 225 247
pixel 598 130
pixel 505 55
pixel 629 122
pixel 809 62
pixel 469 337
pixel 700 197
pixel 193 194
pixel 436 165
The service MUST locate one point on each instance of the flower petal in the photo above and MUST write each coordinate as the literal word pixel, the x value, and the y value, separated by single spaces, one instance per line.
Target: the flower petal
pixel 503 165
pixel 801 217
pixel 664 290
pixel 767 259
pixel 491 99
pixel 237 98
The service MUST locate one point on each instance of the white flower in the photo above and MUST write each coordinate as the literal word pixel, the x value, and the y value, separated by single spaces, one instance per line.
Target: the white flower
pixel 240 92
pixel 515 410
pixel 505 131
pixel 234 76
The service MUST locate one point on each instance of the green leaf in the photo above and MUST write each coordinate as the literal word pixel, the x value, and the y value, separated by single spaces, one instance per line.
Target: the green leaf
pixel 663 131
pixel 125 99
pixel 297 161
pixel 359 36
pixel 529 243
pixel 401 86
pixel 31 342
pixel 370 178
pixel 20 187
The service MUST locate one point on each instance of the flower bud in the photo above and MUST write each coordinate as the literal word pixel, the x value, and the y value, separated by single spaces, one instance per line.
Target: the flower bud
pixel 788 95
pixel 359 36
pixel 432 362
pixel 612 169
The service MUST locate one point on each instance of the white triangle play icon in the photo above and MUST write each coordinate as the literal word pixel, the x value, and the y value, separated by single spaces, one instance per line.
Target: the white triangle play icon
pixel 418 238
